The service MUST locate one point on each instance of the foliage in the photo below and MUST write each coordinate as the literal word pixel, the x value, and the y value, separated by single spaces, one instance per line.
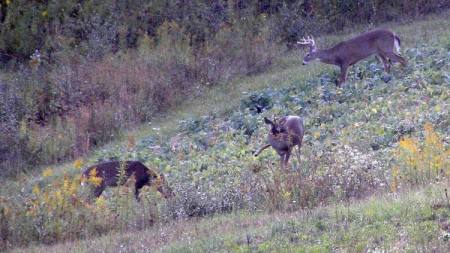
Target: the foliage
pixel 58 208
pixel 117 64
pixel 83 101
pixel 347 152
pixel 391 224
pixel 407 221
pixel 97 28
pixel 419 163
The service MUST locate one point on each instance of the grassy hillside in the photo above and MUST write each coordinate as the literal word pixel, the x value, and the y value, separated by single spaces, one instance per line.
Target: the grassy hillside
pixel 381 133
pixel 76 75
pixel 406 222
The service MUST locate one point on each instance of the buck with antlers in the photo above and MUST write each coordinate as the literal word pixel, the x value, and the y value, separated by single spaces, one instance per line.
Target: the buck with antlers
pixel 284 135
pixel 384 43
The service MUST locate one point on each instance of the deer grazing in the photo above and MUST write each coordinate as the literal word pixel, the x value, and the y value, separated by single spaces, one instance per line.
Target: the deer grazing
pixel 384 43
pixel 284 135
pixel 116 173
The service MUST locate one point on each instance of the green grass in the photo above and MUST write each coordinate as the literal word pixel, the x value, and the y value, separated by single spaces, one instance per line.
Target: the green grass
pixel 360 117
pixel 405 222
pixel 225 97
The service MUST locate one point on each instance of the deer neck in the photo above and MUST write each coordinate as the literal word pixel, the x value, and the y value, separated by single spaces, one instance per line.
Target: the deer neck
pixel 327 56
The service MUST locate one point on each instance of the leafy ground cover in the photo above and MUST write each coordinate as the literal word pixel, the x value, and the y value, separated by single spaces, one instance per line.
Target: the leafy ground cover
pixel 403 222
pixel 381 133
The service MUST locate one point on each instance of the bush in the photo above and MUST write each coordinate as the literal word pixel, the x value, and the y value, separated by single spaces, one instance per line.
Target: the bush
pixel 420 163
pixel 58 209
pixel 116 65
pixel 347 152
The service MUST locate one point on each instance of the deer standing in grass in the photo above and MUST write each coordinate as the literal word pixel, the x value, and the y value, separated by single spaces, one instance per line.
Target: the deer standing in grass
pixel 116 173
pixel 284 135
pixel 384 43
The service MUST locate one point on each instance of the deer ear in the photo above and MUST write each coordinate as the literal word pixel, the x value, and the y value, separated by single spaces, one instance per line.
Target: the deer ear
pixel 268 121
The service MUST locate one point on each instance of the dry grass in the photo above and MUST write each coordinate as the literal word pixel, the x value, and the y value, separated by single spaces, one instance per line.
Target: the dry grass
pixel 342 226
pixel 222 99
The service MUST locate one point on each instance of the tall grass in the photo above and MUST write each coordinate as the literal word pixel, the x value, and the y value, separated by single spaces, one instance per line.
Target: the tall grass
pixel 345 154
pixel 64 110
pixel 407 221
pixel 419 163
pixel 59 209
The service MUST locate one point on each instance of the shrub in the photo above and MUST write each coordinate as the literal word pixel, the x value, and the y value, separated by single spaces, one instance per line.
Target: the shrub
pixel 419 163
pixel 57 209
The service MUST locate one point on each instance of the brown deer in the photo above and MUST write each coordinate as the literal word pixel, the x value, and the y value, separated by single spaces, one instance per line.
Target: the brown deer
pixel 116 173
pixel 384 43
pixel 284 135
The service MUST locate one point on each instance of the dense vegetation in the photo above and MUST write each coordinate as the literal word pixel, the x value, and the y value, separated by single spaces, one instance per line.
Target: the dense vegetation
pixel 202 75
pixel 382 133
pixel 107 66
pixel 405 222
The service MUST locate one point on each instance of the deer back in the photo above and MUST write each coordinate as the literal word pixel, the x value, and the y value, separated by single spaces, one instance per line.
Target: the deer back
pixel 362 46
pixel 291 135
pixel 109 172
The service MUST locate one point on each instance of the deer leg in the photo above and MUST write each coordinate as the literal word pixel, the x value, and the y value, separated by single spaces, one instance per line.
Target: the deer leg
pixel 136 194
pixel 298 153
pixel 282 157
pixel 385 61
pixel 286 159
pixel 98 190
pixel 261 149
pixel 137 187
pixel 343 75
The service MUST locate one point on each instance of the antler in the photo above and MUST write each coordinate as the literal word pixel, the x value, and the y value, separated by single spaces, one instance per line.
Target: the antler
pixel 309 42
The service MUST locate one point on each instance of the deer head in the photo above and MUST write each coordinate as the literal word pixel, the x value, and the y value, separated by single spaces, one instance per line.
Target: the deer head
pixel 311 44
pixel 163 187
pixel 276 127
pixel 284 135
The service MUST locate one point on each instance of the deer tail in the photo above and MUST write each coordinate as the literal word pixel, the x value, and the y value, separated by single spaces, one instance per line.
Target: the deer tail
pixel 397 43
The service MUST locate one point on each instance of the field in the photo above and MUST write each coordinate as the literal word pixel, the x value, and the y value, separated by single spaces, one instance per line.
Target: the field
pixel 406 222
pixel 373 174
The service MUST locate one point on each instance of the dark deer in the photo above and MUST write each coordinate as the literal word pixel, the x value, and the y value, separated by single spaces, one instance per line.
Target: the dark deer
pixel 284 135
pixel 384 43
pixel 116 173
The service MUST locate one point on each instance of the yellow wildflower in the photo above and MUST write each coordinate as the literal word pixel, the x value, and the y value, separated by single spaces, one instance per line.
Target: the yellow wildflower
pixel 36 190
pixel 66 182
pixel 432 139
pixel 58 200
pixel 74 186
pixel 394 183
pixel 409 144
pixel 286 195
pixel 47 172
pixel 428 128
pixel 100 202
pixel 316 134
pixel 78 164
pixel 93 179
